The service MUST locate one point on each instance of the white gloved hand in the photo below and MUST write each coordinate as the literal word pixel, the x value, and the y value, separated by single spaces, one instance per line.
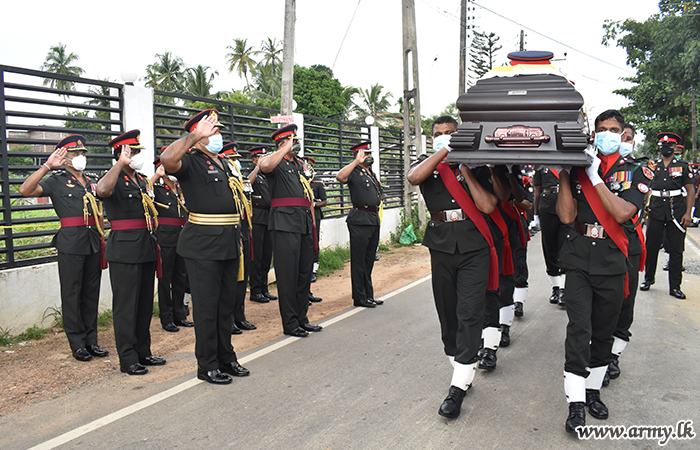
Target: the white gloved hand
pixel 442 141
pixel 592 170
pixel 535 221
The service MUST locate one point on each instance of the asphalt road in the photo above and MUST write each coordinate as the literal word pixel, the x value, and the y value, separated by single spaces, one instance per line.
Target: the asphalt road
pixel 374 379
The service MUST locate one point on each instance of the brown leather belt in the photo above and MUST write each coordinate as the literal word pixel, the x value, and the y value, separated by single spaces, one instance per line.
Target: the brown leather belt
pixel 550 190
pixel 448 216
pixel 366 208
pixel 594 231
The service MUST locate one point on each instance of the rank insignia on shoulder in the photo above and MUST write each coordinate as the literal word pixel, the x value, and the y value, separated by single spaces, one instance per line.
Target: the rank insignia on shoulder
pixel 643 188
pixel 652 165
pixel 648 172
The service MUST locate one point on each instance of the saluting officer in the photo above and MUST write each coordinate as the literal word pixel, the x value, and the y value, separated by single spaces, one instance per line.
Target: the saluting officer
pixel 243 189
pixel 363 222
pixel 210 242
pixel 597 203
pixel 292 224
pixel 669 213
pixel 78 241
pixel 172 215
pixel 132 252
pixel 262 236
pixel 462 256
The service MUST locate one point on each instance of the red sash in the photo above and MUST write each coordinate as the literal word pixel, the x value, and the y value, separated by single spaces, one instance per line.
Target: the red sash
pixel 555 173
pixel 640 233
pixel 513 214
pixel 138 224
pixel 173 221
pixel 508 268
pixel 610 225
pixel 297 201
pixel 467 204
pixel 77 221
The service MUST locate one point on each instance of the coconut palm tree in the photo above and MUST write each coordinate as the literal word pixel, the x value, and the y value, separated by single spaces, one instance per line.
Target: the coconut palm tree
pixel 374 103
pixel 241 58
pixel 198 82
pixel 348 96
pixel 59 61
pixel 166 74
pixel 271 50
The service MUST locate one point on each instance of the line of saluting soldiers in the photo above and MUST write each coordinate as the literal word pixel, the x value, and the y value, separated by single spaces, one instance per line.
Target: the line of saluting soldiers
pixel 591 234
pixel 193 225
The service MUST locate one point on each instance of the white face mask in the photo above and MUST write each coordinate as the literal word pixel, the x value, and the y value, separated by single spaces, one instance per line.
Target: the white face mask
pixel 79 163
pixel 137 161
pixel 172 178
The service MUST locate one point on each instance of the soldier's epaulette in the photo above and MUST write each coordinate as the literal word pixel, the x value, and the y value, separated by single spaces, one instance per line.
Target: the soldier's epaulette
pixel 420 159
pixel 651 164
pixel 91 174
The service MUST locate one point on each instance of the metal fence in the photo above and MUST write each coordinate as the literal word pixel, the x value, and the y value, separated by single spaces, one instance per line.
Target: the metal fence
pixel 38 109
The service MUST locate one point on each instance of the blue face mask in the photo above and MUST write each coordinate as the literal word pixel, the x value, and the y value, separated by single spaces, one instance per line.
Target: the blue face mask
pixel 607 142
pixel 216 143
pixel 625 148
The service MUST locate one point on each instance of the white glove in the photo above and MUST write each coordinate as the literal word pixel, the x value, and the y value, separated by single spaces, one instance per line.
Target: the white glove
pixel 592 170
pixel 535 222
pixel 442 141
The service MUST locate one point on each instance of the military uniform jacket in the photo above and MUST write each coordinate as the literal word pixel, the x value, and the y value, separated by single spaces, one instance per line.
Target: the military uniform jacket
pixel 319 195
pixel 284 183
pixel 546 179
pixel 205 187
pixel 67 194
pixel 261 197
pixel 447 237
pixel 671 178
pixel 129 246
pixel 365 190
pixel 168 234
pixel 626 179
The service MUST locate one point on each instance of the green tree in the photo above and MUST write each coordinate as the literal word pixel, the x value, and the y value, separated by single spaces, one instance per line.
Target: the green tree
pixel 267 82
pixel 317 93
pixel 270 50
pixel 167 73
pixel 348 99
pixel 241 58
pixel 665 51
pixel 375 103
pixel 59 61
pixel 483 53
pixel 199 82
pixel 427 122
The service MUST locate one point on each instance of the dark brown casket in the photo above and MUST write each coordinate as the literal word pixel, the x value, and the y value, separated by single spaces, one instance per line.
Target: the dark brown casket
pixel 521 114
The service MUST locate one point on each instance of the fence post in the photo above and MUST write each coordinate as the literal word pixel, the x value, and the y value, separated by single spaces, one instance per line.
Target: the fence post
pixel 299 122
pixel 374 137
pixel 139 113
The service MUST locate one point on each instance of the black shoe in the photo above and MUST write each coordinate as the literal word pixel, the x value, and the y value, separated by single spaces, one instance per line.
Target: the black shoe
pixel 614 368
pixel 297 332
pixel 170 327
pixel 187 310
pixel 665 267
pixel 152 361
pixel 646 285
pixel 606 378
pixel 81 354
pixel 213 376
pixel 135 369
pixel 259 298
pixel 366 303
pixel 452 405
pixel 311 327
pixel 577 416
pixel 505 336
pixel 245 325
pixel 376 302
pixel 554 298
pixel 313 277
pixel 376 256
pixel 313 298
pixel 235 329
pixel 270 296
pixel 488 359
pixel 235 369
pixel 677 293
pixel 96 350
pixel 519 309
pixel 561 301
pixel 596 408
pixel 184 323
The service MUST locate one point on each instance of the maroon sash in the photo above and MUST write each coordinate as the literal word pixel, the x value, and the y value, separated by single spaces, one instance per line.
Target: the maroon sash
pixel 297 201
pixel 138 224
pixel 508 268
pixel 513 214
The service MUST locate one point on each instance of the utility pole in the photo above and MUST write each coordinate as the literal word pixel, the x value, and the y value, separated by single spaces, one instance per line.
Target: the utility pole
pixel 290 18
pixel 462 47
pixel 694 118
pixel 410 140
pixel 522 40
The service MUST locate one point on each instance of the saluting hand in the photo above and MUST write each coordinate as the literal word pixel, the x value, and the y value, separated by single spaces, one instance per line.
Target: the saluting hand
pixel 125 155
pixel 57 158
pixel 360 156
pixel 205 127
pixel 160 171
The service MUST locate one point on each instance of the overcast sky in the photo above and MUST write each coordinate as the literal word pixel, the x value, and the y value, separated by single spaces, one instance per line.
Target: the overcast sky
pixel 110 37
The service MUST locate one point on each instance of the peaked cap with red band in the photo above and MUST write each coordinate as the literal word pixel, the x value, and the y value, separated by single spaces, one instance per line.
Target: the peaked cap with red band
pixel 157 162
pixel 530 57
pixel 308 158
pixel 72 143
pixel 668 138
pixel 259 151
pixel 130 138
pixel 230 150
pixel 192 123
pixel 361 146
pixel 284 132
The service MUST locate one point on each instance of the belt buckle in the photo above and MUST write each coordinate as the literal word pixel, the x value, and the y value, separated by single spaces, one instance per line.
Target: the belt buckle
pixel 665 194
pixel 595 231
pixel 454 215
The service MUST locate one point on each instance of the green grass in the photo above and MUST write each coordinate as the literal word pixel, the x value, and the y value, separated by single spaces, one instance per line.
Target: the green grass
pixel 56 314
pixel 33 240
pixel 332 259
pixel 104 320
pixel 5 338
pixel 31 334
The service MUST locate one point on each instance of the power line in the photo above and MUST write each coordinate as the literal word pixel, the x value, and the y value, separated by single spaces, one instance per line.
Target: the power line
pixel 346 34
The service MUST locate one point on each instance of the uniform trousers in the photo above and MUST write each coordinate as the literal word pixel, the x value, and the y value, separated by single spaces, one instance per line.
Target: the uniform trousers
pixel 239 305
pixel 213 285
pixel 294 259
pixel 550 227
pixel 675 239
pixel 132 309
pixel 262 258
pixel 624 322
pixel 495 300
pixel 364 240
pixel 171 286
pixel 593 306
pixel 521 274
pixel 80 277
pixel 459 289
pixel 318 239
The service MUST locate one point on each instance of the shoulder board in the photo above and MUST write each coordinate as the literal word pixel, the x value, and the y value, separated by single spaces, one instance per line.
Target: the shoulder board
pixel 651 165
